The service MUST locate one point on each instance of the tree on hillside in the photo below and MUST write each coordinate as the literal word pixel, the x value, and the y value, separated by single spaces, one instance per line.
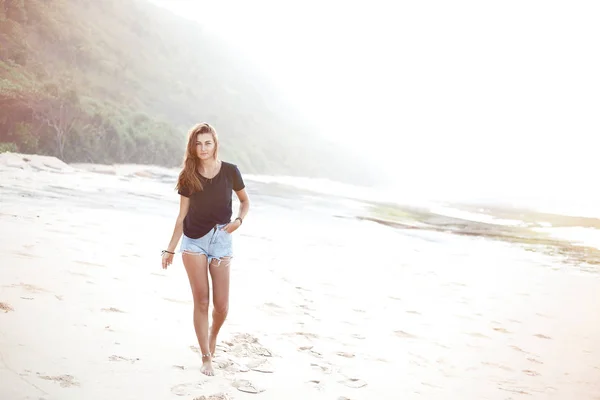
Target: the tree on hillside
pixel 15 10
pixel 59 110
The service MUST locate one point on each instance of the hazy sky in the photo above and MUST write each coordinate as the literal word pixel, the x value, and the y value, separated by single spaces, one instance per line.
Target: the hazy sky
pixel 481 96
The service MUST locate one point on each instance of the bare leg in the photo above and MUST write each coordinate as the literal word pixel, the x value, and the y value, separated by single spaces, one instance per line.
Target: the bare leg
pixel 196 268
pixel 219 272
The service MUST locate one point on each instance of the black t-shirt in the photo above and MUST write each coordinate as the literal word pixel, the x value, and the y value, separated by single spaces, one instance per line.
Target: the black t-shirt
pixel 212 205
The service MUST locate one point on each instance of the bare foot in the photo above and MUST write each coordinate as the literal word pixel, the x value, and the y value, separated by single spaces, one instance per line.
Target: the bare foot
pixel 207 368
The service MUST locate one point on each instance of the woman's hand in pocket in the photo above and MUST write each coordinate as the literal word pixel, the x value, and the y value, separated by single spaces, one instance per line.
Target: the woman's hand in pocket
pixel 232 226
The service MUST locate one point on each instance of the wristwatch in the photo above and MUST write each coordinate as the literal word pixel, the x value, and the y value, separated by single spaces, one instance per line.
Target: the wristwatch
pixel 241 221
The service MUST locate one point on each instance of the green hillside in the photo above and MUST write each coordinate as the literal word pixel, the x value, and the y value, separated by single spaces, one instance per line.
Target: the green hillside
pixel 117 81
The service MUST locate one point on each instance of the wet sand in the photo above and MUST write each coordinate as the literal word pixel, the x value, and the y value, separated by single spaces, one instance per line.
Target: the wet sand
pixel 321 306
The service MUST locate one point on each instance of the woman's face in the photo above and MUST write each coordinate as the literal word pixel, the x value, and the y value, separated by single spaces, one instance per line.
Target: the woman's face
pixel 205 146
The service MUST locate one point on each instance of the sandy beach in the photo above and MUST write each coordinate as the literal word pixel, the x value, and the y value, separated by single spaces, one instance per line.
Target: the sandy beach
pixel 323 305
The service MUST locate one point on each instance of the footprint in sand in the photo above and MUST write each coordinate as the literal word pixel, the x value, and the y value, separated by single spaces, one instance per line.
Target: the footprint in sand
pixel 112 309
pixel 345 354
pixel 500 366
pixel 246 345
pixel 64 380
pixel 431 385
pixel 541 336
pixel 88 263
pixel 354 383
pixel 516 391
pixel 261 366
pixel 186 389
pixel 317 384
pixel 323 368
pixel 25 254
pixel 308 335
pixel 218 396
pixel 246 386
pixel 82 274
pixel 309 349
pixel 222 348
pixel 6 307
pixel 422 360
pixel 306 307
pixel 229 365
pixel 30 288
pixel 520 350
pixel 464 300
pixel 501 330
pixel 405 335
pixel 530 372
pixel 120 358
pixel 478 335
pixel 177 301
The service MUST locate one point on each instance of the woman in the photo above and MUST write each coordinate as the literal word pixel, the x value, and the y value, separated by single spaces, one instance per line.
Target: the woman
pixel 205 185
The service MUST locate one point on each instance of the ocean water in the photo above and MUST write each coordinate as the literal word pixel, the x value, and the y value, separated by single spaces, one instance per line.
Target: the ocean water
pixel 561 203
pixel 584 202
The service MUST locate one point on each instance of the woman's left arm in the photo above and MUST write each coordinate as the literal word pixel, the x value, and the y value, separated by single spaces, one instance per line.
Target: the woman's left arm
pixel 244 203
pixel 242 212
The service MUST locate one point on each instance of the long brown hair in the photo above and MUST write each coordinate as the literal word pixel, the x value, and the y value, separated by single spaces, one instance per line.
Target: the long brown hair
pixel 189 178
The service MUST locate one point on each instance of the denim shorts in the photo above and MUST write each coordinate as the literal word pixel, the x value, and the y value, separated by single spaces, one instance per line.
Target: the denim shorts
pixel 216 244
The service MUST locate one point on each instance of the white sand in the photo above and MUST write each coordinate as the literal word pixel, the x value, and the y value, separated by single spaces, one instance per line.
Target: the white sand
pixel 321 307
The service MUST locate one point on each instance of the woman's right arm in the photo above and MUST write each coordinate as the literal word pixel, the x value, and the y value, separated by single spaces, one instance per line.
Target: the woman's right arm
pixel 184 205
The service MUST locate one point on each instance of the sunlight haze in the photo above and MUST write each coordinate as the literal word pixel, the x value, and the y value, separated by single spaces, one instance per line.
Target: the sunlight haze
pixel 460 99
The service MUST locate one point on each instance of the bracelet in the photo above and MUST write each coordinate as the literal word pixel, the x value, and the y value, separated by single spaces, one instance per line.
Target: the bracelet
pixel 166 251
pixel 240 220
